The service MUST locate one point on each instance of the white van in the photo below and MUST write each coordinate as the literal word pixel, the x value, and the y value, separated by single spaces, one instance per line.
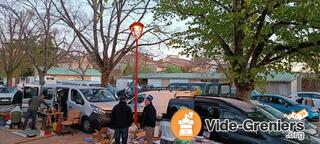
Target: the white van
pixel 94 103
pixel 79 83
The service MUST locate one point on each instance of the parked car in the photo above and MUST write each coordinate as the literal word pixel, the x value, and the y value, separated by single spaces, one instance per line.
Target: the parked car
pixel 160 100
pixel 234 110
pixel 286 105
pixel 309 127
pixel 94 103
pixel 234 90
pixel 6 96
pixel 315 96
pixel 204 88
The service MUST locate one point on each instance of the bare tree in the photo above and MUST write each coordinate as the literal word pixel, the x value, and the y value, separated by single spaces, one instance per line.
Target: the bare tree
pixel 43 42
pixel 104 32
pixel 82 62
pixel 11 52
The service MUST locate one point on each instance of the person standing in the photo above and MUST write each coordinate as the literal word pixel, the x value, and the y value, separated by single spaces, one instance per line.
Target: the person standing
pixel 34 104
pixel 149 119
pixel 165 129
pixel 121 119
pixel 17 98
pixel 63 95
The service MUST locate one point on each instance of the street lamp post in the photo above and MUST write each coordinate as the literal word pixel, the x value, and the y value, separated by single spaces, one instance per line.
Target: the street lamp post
pixel 136 31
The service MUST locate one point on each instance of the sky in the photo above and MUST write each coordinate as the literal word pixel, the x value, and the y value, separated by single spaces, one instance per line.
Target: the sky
pixel 157 51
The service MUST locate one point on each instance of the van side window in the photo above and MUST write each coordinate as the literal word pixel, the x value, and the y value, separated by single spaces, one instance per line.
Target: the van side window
pixel 30 92
pixel 213 90
pixel 75 96
pixel 48 92
pixel 225 89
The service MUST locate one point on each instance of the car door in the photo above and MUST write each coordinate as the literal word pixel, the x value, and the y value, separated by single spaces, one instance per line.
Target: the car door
pixel 289 107
pixel 279 104
pixel 240 136
pixel 76 101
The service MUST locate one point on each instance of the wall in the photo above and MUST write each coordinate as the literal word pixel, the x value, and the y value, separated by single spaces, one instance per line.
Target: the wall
pixel 294 86
pixel 178 81
pixel 282 88
pixel 308 84
pixel 155 82
pixel 165 82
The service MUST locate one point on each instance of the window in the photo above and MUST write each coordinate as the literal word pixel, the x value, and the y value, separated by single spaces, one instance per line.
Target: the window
pixel 316 96
pixel 75 96
pixel 280 101
pixel 4 90
pixel 213 90
pixel 98 95
pixel 232 116
pixel 48 93
pixel 172 86
pixel 30 92
pixel 265 98
pixel 225 89
pixel 305 95
pixel 207 110
pixel 276 100
pixel 199 88
pixel 183 87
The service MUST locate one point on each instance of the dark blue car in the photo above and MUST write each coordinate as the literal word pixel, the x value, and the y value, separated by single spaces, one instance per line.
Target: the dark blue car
pixel 286 105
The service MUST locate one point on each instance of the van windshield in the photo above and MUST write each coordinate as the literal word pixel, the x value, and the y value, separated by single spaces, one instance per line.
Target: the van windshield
pixel 97 95
pixel 4 90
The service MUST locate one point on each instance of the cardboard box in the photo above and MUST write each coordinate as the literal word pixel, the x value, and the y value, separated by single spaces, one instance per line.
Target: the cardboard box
pixel 140 134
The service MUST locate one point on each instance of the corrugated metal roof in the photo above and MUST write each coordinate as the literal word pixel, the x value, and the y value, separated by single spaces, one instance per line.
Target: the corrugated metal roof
pixel 179 76
pixel 66 71
pixel 277 77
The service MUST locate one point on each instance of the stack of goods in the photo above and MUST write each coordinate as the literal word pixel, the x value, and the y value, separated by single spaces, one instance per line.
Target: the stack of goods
pixel 103 136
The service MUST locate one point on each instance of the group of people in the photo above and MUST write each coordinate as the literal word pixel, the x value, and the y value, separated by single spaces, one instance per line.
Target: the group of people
pixel 122 119
pixel 121 116
pixel 35 102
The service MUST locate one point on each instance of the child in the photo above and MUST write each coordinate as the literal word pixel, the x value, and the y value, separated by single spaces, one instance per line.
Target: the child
pixel 165 131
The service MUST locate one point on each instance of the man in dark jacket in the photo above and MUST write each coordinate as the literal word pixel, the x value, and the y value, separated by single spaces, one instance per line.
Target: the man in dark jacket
pixel 121 119
pixel 17 97
pixel 149 116
pixel 34 104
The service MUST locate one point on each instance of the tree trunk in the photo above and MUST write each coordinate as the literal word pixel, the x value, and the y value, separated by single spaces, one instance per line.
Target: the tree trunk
pixel 82 76
pixel 9 80
pixel 41 80
pixel 105 77
pixel 244 90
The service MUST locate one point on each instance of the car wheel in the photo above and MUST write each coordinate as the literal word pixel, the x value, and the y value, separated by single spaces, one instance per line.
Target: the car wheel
pixel 87 125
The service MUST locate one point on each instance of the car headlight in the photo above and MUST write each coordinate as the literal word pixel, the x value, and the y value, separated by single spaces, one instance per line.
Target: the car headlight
pixel 98 110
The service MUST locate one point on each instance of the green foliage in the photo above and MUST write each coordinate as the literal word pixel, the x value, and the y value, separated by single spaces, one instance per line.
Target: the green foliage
pixel 44 56
pixel 173 69
pixel 252 36
pixel 142 68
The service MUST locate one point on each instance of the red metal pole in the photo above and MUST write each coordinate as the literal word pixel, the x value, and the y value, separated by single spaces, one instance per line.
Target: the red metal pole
pixel 136 88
